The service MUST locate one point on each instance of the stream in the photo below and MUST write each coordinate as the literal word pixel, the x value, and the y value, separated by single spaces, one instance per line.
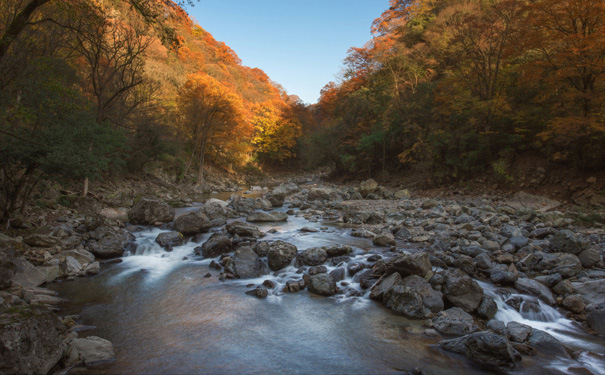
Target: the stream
pixel 165 316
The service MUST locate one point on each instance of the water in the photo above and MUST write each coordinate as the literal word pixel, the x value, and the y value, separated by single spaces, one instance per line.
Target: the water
pixel 165 317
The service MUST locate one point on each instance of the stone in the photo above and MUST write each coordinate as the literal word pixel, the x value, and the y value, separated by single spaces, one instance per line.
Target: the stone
pixel 596 318
pixel 70 266
pixel 41 240
pixel 384 239
pixel 381 288
pixel 589 258
pixel 216 245
pixel 31 340
pixel 574 303
pixel 286 188
pixel 404 301
pixel 266 217
pixel 518 332
pixel 337 250
pixel 314 256
pixel 169 239
pixel 454 322
pixel 547 344
pixel 488 349
pixel 120 214
pixel 151 211
pixel 566 241
pixel 192 223
pixel 487 308
pixel 503 278
pixel 523 200
pixel 320 194
pixel 244 229
pixel 592 290
pixel 535 288
pixel 402 194
pixel 26 274
pixel 7 269
pixel 462 291
pixel 410 264
pixel 89 350
pixel 322 284
pixel 518 241
pixel 483 261
pixel 432 299
pixel 108 242
pixel 246 263
pixel 280 255
pixel 258 292
pixel 367 187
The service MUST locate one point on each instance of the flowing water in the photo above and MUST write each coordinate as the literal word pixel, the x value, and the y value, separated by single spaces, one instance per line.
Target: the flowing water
pixel 164 316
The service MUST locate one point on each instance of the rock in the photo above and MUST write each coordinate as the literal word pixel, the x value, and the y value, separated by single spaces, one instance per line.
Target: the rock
pixel 314 256
pixel 41 240
pixel 107 242
pixel 26 274
pixel 286 188
pixel 462 291
pixel 169 239
pixel 280 255
pixel 536 289
pixel 322 284
pixel 243 229
pixel 402 194
pixel 70 266
pixel 93 268
pixel 275 199
pixel 589 257
pixel 258 292
pixel 192 223
pixel 487 308
pixel 596 318
pixel 89 350
pixel 432 299
pixel 523 200
pixel 246 264
pixel 404 301
pixel 31 340
pixel 384 239
pixel 428 204
pixel 566 241
pixel 483 261
pixel 455 322
pixel 381 288
pixel 216 245
pixel 567 265
pixel 410 264
pixel 261 248
pixel 7 269
pixel 518 332
pixel 574 303
pixel 120 214
pixel 266 217
pixel 320 194
pixel 496 326
pixel 367 187
pixel 151 211
pixel 487 349
pixel 518 241
pixel 592 290
pixel 337 250
pixel 546 343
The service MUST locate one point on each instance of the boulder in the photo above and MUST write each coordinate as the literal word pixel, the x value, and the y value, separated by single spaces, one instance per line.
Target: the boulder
pixel 89 350
pixel 462 291
pixel 280 255
pixel 402 194
pixel 192 223
pixel 384 239
pixel 286 188
pixel 546 343
pixel 246 263
pixel 592 290
pixel 108 242
pixel 216 211
pixel 41 240
pixel 320 194
pixel 566 241
pixel 27 275
pixel 30 340
pixel 322 284
pixel 535 288
pixel 216 245
pixel 503 278
pixel 151 211
pixel 410 264
pixel 432 299
pixel 405 301
pixel 518 332
pixel 169 239
pixel 337 250
pixel 120 214
pixel 314 256
pixel 367 187
pixel 384 286
pixel 243 229
pixel 488 349
pixel 589 257
pixel 266 217
pixel 487 308
pixel 596 318
pixel 455 322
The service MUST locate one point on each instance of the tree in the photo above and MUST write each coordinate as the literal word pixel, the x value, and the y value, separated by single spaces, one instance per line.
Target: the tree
pixel 276 130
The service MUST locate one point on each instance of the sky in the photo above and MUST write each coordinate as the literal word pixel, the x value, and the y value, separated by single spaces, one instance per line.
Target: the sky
pixel 299 44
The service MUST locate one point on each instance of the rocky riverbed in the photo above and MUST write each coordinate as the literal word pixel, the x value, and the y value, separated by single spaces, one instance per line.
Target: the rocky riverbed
pixel 491 285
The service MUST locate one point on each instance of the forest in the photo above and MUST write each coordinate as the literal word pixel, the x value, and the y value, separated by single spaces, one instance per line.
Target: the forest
pixel 455 88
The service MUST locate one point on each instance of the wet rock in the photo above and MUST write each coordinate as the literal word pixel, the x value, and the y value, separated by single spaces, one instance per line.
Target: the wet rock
pixel 592 290
pixel 261 248
pixel 455 322
pixel 337 250
pixel 243 229
pixel 518 332
pixel 267 217
pixel 258 292
pixel 487 308
pixel 462 291
pixel 216 245
pixel 169 239
pixel 574 303
pixel 487 349
pixel 567 241
pixel 322 284
pixel 31 340
pixel 108 242
pixel 246 263
pixel 535 288
pixel 596 318
pixel 314 256
pixel 280 255
pixel 384 239
pixel 503 278
pixel 432 299
pixel 151 211
pixel 338 274
pixel 546 343
pixel 192 223
pixel 381 288
pixel 89 350
pixel 293 286
pixel 404 301
pixel 410 264
pixel 496 326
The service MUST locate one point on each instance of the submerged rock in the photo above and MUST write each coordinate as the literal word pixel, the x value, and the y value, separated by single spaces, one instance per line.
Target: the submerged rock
pixel 322 284
pixel 454 321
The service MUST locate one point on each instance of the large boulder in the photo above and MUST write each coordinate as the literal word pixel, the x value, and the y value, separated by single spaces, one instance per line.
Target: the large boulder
pixel 432 299
pixel 192 223
pixel 487 349
pixel 246 264
pixel 385 285
pixel 280 255
pixel 30 340
pixel 266 217
pixel 314 256
pixel 244 229
pixel 108 242
pixel 455 322
pixel 169 239
pixel 410 264
pixel 546 343
pixel 216 245
pixel 151 211
pixel 462 291
pixel 404 301
pixel 535 288
pixel 27 275
pixel 322 284
pixel 89 350
pixel 566 241
pixel 216 211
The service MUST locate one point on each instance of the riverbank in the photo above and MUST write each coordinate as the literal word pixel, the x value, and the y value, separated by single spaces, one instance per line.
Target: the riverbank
pixel 424 259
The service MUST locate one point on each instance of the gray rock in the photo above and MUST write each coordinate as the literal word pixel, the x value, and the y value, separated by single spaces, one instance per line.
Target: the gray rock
pixel 410 264
pixel 574 303
pixel 41 240
pixel 589 257
pixel 488 349
pixel 367 187
pixel 596 318
pixel 503 278
pixel 320 194
pixel 314 256
pixel 286 188
pixel 337 250
pixel 322 284
pixel 151 211
pixel 380 289
pixel 496 326
pixel 432 299
pixel 70 266
pixel 246 263
pixel 280 255
pixel 169 239
pixel 216 245
pixel 266 217
pixel 518 241
pixel 108 242
pixel 243 229
pixel 384 239
pixel 7 269
pixel 26 274
pixel 592 290
pixel 535 288
pixel 192 223
pixel 455 322
pixel 258 292
pixel 89 350
pixel 518 332
pixel 461 290
pixel 31 340
pixel 404 301
pixel 566 241
pixel 483 261
pixel 487 308
pixel 547 344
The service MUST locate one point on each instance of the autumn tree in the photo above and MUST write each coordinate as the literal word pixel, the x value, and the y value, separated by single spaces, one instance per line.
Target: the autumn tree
pixel 276 129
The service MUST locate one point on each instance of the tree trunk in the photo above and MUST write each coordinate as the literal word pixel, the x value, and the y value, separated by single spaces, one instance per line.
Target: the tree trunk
pixel 85 190
pixel 17 25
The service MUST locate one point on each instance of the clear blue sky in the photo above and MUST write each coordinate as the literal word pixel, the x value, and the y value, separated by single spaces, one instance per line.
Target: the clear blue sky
pixel 299 44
